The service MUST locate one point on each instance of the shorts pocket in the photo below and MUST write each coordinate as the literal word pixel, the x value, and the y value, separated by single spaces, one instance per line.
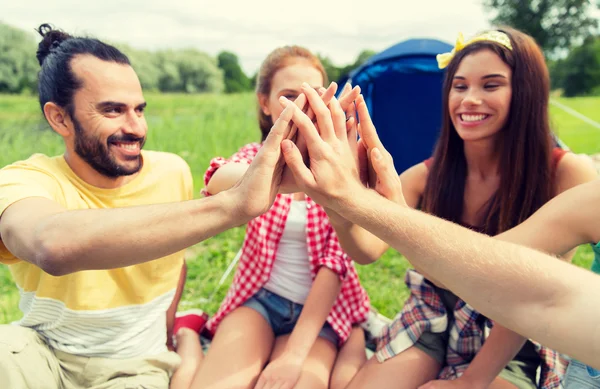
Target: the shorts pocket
pixel 580 376
pixel 13 338
pixel 593 373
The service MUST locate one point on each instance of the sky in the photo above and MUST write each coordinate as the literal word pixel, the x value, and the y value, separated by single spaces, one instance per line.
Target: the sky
pixel 253 28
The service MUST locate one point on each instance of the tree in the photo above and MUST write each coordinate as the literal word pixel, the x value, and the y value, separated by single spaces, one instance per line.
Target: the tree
pixel 554 24
pixel 189 71
pixel 363 56
pixel 333 72
pixel 146 66
pixel 235 79
pixel 557 73
pixel 18 65
pixel 253 80
pixel 581 69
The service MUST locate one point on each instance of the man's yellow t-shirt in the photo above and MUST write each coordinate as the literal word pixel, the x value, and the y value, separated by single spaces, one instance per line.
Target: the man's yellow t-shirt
pixel 117 313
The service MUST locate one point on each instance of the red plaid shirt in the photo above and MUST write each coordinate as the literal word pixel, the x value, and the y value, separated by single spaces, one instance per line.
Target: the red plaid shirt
pixel 425 311
pixel 260 246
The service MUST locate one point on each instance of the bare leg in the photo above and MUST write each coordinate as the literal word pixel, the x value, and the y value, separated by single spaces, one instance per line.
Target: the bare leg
pixel 407 370
pixel 501 383
pixel 318 365
pixel 349 360
pixel 190 351
pixel 239 351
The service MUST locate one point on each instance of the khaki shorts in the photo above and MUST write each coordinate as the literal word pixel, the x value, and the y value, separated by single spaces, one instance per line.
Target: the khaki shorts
pixel 26 361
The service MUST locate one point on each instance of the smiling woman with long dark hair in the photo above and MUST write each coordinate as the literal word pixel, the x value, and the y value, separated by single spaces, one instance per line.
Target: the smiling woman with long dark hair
pixel 495 164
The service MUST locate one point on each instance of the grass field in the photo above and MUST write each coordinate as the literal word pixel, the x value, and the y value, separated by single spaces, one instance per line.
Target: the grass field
pixel 202 126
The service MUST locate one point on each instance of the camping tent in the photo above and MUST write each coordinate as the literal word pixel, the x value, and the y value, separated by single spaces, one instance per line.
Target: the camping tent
pixel 402 86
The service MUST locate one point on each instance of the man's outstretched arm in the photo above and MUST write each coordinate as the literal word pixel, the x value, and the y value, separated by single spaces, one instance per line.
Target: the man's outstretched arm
pixel 61 241
pixel 527 291
pixel 531 293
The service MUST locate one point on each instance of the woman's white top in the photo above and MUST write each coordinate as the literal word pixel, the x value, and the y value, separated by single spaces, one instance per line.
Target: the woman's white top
pixel 290 277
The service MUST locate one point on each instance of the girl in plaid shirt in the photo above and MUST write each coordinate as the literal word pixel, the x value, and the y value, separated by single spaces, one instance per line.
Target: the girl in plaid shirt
pixel 296 296
pixel 494 165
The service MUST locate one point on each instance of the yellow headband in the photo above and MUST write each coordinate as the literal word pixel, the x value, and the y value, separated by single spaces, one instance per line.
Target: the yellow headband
pixel 491 36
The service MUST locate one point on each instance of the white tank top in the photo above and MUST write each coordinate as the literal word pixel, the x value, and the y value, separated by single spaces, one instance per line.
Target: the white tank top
pixel 290 277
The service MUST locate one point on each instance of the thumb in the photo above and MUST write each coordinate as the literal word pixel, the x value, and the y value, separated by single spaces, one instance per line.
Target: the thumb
pixel 388 183
pixel 295 162
pixel 383 166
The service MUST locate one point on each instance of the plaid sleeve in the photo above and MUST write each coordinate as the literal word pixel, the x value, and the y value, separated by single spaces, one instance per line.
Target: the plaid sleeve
pixel 334 258
pixel 244 155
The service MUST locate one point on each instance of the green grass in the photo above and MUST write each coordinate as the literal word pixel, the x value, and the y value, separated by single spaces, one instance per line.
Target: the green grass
pixel 578 135
pixel 202 126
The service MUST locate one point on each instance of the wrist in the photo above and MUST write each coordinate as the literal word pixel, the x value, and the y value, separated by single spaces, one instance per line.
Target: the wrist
pixel 337 221
pixel 342 203
pixel 295 355
pixel 296 351
pixel 474 380
pixel 233 208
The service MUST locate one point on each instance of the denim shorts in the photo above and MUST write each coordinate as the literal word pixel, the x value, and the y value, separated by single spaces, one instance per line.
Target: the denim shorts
pixel 282 314
pixel 580 376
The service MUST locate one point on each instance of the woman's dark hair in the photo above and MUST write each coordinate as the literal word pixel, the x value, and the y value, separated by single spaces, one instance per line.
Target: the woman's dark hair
pixel 525 143
pixel 56 80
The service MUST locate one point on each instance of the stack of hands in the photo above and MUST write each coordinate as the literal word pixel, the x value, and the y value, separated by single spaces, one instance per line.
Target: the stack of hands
pixel 325 147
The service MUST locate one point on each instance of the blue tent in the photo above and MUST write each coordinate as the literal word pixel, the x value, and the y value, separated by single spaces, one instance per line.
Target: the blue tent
pixel 402 86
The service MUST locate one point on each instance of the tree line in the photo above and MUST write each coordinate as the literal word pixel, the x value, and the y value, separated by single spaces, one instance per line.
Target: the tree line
pixel 566 30
pixel 184 70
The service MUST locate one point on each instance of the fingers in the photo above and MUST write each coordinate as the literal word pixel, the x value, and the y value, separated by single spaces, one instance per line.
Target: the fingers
pixel 351 120
pixel 281 128
pixel 363 163
pixel 326 96
pixel 347 99
pixel 270 152
pixel 300 102
pixel 347 88
pixel 305 126
pixel 388 182
pixel 301 145
pixel 339 120
pixel 366 129
pixel 322 113
pixel 303 176
pixel 329 93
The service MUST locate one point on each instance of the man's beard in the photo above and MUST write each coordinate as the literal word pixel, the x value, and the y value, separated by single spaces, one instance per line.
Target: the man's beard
pixel 97 154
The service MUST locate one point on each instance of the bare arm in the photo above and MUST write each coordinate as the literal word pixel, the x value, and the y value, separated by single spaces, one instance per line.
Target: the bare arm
pixel 285 370
pixel 526 283
pixel 565 222
pixel 362 246
pixel 502 345
pixel 61 241
pixel 323 293
pixel 226 177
